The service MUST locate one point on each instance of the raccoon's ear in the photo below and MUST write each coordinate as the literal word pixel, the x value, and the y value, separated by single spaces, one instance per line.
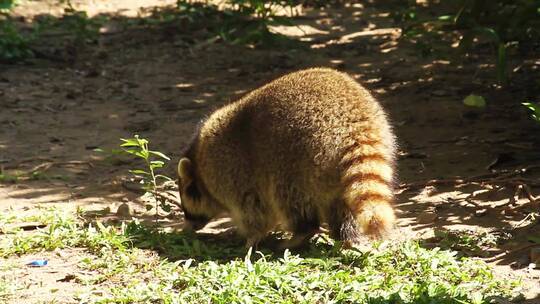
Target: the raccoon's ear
pixel 185 171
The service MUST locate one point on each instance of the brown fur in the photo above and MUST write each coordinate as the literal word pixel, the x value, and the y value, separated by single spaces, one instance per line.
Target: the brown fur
pixel 310 147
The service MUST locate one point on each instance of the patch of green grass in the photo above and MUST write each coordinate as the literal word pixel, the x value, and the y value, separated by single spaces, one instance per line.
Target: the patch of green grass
pixel 406 273
pixel 468 242
pixel 132 263
pixel 8 178
pixel 62 230
pixel 7 287
pixel 17 176
pixel 8 284
pixel 14 46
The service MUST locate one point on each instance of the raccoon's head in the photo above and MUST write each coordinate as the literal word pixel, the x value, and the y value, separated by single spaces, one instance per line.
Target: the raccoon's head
pixel 198 206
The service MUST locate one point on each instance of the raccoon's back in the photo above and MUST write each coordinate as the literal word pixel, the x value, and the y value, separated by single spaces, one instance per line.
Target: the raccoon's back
pixel 311 117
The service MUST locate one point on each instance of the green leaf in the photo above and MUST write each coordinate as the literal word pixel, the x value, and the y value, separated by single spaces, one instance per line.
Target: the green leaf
pixel 6 4
pixel 129 143
pixel 535 107
pixel 477 298
pixel 156 164
pixel 144 154
pixel 474 101
pixel 446 18
pixel 131 151
pixel 534 239
pixel 535 110
pixel 157 153
pixel 139 171
pixel 141 141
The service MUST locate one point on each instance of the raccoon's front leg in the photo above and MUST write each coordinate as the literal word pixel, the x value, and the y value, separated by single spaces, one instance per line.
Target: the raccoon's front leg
pixel 253 236
pixel 252 242
pixel 253 221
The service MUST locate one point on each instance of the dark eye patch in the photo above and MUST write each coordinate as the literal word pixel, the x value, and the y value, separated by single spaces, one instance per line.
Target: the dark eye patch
pixel 192 191
pixel 194 218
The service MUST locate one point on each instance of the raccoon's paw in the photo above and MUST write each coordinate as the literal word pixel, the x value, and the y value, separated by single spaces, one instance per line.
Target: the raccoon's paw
pixel 298 241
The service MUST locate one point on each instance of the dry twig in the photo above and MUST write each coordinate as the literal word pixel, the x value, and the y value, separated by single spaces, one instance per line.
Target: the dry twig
pixel 171 199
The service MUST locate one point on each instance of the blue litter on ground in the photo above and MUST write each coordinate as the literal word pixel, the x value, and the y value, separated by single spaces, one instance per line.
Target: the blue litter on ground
pixel 38 263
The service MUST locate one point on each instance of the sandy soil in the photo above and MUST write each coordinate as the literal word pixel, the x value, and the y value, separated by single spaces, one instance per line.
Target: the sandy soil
pixel 158 83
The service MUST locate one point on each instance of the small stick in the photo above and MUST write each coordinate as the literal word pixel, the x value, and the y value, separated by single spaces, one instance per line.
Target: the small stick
pixel 469 200
pixel 168 198
pixel 528 193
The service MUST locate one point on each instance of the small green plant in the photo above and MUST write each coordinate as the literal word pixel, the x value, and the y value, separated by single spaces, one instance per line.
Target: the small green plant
pixel 153 160
pixel 505 25
pixel 8 286
pixel 534 109
pixel 470 243
pixel 8 178
pixel 85 29
pixel 13 44
pixel 241 21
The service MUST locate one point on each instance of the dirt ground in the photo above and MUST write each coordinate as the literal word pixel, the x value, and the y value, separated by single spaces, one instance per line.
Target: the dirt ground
pixel 155 83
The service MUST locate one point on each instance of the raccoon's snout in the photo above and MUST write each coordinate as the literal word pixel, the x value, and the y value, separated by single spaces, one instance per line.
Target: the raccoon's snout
pixel 192 226
pixel 194 222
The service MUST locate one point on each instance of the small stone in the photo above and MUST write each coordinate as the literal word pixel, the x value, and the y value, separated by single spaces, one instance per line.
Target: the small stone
pixel 91 73
pixel 427 217
pixel 91 146
pixel 54 139
pixel 67 278
pixel 123 210
pixel 520 262
pixel 439 93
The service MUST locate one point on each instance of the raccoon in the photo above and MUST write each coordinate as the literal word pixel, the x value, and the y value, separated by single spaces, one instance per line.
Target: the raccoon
pixel 309 148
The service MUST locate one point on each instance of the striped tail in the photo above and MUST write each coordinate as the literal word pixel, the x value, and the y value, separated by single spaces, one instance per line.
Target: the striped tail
pixel 368 173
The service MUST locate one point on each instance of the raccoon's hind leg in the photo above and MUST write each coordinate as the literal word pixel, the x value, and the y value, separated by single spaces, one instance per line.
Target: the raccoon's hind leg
pixel 342 224
pixel 304 223
pixel 301 236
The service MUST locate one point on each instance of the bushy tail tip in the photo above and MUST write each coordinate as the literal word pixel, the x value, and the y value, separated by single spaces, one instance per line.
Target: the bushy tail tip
pixel 375 219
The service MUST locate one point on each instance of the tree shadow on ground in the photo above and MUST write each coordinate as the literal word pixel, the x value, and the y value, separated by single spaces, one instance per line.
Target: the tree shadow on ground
pixel 490 208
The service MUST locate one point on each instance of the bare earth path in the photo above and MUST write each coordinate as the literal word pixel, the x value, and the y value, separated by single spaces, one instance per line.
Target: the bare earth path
pixel 157 84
